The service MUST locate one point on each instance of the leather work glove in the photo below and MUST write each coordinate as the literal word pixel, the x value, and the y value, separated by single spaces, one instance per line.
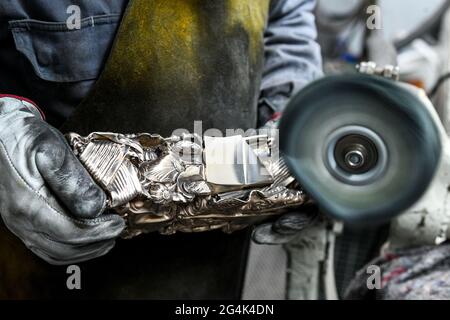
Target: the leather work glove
pixel 285 228
pixel 47 198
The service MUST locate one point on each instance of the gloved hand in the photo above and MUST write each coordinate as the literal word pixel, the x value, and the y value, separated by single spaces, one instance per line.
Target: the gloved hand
pixel 47 198
pixel 285 228
pixel 289 225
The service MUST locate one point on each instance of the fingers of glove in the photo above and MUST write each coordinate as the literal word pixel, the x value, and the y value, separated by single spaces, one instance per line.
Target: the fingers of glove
pixel 9 104
pixel 61 254
pixel 292 223
pixel 67 178
pixel 264 234
pixel 82 232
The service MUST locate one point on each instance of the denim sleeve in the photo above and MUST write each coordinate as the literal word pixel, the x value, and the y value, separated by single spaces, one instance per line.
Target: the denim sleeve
pixel 292 55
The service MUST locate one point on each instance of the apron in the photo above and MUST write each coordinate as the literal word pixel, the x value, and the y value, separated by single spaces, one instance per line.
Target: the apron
pixel 172 63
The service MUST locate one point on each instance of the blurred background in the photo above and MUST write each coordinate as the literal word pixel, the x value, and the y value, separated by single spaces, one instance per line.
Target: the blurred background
pixel 411 34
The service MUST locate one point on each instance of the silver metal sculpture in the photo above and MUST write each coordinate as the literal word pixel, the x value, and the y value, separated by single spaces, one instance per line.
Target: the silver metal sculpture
pixel 189 183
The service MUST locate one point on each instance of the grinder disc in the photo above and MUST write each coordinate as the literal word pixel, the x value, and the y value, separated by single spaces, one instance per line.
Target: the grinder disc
pixel 364 147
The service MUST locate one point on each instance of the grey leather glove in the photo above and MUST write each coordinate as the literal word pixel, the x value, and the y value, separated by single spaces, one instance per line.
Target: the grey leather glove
pixel 47 198
pixel 285 228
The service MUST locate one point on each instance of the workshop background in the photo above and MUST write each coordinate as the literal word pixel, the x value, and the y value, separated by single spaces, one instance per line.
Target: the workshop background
pixel 415 35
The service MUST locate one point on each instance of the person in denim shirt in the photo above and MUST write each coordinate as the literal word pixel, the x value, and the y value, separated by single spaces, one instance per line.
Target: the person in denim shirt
pixel 52 204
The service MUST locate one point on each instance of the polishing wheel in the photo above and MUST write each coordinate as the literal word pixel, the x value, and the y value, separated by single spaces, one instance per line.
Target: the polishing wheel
pixel 365 148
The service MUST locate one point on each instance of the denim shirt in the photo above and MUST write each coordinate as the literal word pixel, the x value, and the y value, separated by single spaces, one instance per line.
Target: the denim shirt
pixel 41 59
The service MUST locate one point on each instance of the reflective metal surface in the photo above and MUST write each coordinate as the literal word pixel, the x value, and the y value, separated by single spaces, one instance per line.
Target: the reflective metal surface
pixel 186 183
pixel 350 142
pixel 371 68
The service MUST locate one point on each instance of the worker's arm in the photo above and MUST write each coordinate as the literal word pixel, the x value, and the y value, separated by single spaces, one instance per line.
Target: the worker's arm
pixel 292 55
pixel 292 60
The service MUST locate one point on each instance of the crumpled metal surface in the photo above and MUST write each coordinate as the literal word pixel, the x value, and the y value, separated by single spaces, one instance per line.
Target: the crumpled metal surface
pixel 192 184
